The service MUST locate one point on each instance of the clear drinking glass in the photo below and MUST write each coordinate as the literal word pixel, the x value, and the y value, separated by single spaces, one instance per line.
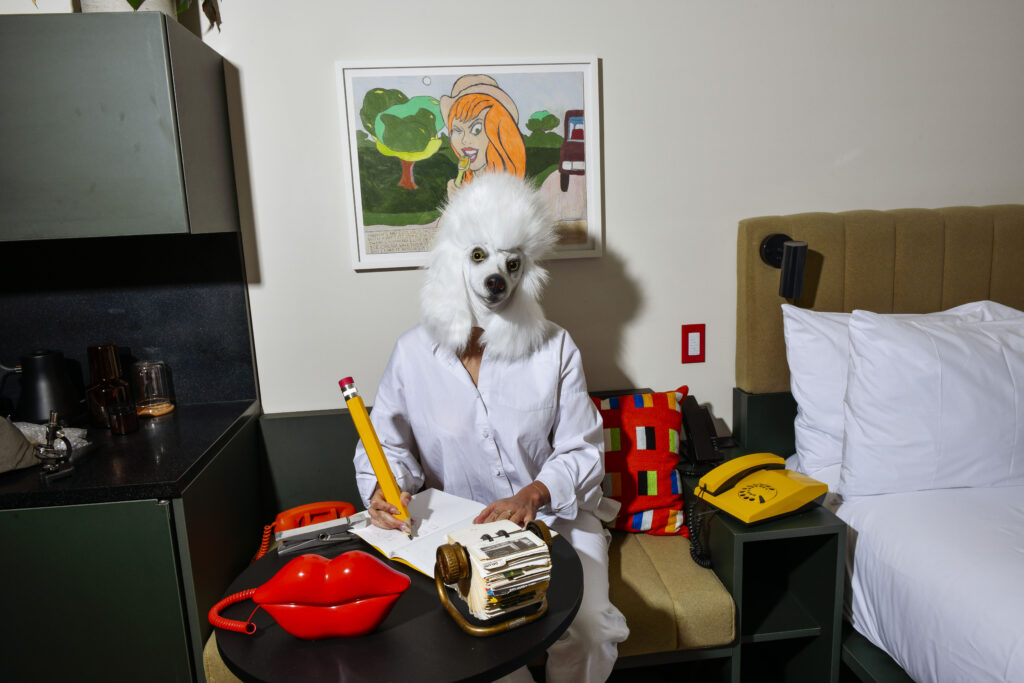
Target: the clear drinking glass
pixel 152 385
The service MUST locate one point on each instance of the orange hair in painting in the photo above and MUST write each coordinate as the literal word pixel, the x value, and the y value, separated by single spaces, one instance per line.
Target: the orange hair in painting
pixel 507 152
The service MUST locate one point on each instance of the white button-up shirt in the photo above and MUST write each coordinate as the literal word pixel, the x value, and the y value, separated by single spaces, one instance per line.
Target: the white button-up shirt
pixel 525 420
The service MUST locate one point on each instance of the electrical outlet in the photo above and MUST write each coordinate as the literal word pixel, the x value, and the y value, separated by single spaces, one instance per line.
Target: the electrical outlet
pixel 693 343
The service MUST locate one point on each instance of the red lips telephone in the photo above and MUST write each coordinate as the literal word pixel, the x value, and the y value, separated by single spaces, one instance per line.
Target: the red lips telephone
pixel 312 597
pixel 311 513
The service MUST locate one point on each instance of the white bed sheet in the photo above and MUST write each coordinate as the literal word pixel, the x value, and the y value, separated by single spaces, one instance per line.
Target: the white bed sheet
pixel 937 580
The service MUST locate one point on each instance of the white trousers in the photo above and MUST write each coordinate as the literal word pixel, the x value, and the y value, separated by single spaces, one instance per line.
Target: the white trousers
pixel 586 652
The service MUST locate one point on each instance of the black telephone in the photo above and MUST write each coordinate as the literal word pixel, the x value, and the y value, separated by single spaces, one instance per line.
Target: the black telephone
pixel 703 451
pixel 702 443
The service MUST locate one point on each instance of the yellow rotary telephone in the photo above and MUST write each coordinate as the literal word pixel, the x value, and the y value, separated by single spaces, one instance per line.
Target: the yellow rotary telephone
pixel 756 487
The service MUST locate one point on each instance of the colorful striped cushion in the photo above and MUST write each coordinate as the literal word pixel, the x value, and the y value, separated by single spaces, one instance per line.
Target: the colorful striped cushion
pixel 641 452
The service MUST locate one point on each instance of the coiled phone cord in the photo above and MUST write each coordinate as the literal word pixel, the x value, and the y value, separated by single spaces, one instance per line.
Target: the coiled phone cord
pixel 693 525
pixel 233 624
pixel 264 543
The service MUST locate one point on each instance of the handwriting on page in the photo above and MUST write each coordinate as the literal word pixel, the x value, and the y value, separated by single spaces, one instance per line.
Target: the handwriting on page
pixel 386 540
pixel 426 527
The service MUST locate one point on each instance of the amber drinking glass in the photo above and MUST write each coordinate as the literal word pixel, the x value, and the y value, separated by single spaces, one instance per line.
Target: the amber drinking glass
pixel 109 397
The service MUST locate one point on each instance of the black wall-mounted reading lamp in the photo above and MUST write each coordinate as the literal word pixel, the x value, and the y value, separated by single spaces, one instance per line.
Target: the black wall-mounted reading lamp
pixel 781 251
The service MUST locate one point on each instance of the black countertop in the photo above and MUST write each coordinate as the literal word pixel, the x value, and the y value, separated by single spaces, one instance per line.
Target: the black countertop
pixel 157 461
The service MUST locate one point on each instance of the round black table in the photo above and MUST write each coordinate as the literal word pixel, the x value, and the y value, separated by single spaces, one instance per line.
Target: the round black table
pixel 417 641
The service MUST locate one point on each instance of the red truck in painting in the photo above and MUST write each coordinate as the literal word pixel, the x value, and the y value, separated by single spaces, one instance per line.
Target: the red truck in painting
pixel 571 159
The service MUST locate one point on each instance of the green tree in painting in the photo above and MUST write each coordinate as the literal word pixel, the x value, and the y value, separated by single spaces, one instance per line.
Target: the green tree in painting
pixel 540 125
pixel 402 127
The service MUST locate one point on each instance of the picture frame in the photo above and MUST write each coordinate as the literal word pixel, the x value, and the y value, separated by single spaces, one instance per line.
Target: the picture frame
pixel 407 128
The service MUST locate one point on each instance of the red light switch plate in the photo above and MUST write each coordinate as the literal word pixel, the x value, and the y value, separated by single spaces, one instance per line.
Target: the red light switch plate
pixel 693 343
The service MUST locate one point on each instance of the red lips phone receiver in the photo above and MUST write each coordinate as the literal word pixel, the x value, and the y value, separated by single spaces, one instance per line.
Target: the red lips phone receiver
pixel 312 597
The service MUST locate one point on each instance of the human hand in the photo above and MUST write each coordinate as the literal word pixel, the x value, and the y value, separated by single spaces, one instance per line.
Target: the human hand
pixel 520 508
pixel 382 513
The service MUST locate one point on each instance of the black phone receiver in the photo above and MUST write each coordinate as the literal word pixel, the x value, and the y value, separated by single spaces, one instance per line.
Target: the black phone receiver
pixel 702 439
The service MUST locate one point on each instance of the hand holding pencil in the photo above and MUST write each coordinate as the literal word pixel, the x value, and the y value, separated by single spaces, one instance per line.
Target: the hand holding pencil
pixel 387 487
pixel 386 516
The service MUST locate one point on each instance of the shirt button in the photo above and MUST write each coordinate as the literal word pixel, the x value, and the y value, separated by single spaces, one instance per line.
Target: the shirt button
pixel 486 434
pixel 499 473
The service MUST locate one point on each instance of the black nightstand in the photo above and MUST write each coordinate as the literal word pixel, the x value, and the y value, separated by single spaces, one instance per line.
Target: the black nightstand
pixel 786 577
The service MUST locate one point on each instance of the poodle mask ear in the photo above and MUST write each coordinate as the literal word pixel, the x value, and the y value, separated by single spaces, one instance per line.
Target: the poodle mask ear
pixel 503 212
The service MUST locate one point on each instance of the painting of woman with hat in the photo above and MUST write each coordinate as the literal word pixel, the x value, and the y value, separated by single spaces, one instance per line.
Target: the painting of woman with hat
pixel 483 124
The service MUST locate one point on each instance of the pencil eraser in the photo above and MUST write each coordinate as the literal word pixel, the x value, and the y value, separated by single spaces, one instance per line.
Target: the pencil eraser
pixel 345 381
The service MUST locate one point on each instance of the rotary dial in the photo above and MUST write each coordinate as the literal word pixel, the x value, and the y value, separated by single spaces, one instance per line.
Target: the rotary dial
pixel 758 493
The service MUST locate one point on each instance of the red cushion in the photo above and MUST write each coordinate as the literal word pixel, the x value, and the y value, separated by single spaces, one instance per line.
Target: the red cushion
pixel 641 451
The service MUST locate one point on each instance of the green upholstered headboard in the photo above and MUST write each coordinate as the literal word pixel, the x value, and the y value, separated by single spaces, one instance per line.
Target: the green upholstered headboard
pixel 899 261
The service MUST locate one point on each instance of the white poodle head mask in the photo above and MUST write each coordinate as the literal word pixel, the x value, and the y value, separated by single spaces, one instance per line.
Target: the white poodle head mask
pixel 484 268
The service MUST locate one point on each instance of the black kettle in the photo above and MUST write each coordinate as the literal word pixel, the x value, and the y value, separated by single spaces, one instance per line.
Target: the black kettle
pixel 45 385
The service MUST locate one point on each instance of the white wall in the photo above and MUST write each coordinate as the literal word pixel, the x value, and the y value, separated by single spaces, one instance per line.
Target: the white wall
pixel 711 112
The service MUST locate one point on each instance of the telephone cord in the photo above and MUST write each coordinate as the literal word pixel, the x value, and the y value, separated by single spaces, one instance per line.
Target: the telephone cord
pixel 693 525
pixel 264 543
pixel 233 624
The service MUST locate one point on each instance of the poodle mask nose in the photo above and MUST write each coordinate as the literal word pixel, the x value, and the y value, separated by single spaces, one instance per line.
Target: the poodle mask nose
pixel 495 284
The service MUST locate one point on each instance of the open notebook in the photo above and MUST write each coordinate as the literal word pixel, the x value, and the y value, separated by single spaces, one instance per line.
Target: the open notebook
pixel 435 514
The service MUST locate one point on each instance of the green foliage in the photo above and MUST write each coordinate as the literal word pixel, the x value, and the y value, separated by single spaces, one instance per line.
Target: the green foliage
pixel 385 203
pixel 540 139
pixel 408 127
pixel 376 101
pixel 401 219
pixel 446 148
pixel 541 121
pixel 409 134
pixel 540 125
pixel 390 204
pixel 540 161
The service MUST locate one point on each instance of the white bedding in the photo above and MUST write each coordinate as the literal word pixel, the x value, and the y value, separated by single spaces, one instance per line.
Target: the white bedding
pixel 937 580
pixel 928 455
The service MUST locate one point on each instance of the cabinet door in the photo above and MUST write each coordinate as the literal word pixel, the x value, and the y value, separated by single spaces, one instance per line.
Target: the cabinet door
pixel 218 523
pixel 91 593
pixel 91 135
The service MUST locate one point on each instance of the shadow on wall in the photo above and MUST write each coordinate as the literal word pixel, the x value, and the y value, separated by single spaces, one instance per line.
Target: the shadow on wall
pixel 594 299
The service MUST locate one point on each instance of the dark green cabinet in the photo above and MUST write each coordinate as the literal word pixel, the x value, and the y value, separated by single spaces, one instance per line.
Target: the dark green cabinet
pixel 112 124
pixel 120 591
pixel 786 576
pixel 218 522
pixel 91 592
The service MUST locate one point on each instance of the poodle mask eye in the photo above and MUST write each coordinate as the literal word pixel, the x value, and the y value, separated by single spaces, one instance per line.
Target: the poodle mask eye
pixel 479 255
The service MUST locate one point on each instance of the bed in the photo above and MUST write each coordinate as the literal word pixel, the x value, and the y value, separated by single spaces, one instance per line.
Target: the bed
pixel 915 420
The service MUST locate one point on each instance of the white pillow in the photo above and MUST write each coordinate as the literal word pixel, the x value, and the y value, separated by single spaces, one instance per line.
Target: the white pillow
pixel 827 475
pixel 933 403
pixel 817 349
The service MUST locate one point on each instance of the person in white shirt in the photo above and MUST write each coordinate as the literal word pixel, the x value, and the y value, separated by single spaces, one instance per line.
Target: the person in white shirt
pixel 487 400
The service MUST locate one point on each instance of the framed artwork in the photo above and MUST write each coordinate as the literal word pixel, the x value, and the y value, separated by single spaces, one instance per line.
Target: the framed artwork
pixel 416 133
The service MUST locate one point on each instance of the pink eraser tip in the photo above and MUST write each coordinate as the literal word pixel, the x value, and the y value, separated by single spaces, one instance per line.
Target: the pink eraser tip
pixel 345 381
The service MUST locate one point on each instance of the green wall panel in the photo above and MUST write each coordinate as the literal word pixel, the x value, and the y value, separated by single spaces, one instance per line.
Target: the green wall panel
pixel 91 593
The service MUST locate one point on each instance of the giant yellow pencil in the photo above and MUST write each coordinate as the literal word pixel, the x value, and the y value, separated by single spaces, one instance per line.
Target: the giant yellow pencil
pixel 368 435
